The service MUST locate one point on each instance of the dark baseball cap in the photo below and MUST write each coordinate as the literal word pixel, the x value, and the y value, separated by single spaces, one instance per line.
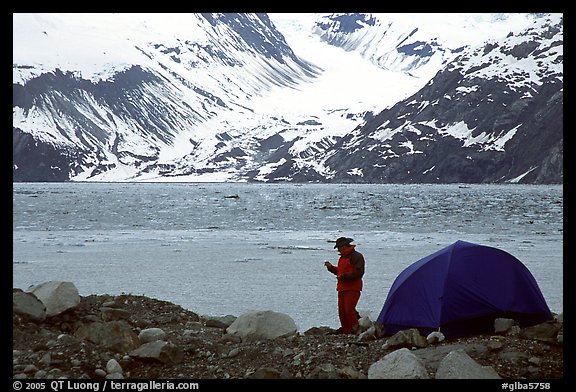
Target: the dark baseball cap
pixel 343 241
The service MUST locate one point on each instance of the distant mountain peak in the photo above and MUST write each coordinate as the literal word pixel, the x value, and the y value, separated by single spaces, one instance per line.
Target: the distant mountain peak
pixel 328 97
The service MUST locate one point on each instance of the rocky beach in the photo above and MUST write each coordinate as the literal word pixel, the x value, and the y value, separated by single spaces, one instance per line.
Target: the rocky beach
pixel 136 337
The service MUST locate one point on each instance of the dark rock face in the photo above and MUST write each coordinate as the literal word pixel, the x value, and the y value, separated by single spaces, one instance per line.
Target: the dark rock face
pixel 535 150
pixel 33 161
pixel 347 23
pixel 262 42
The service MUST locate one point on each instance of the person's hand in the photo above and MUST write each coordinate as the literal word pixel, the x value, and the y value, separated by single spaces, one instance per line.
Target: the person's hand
pixel 327 264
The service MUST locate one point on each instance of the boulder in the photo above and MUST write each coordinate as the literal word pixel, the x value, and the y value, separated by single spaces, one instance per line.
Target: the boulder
pixel 261 325
pixel 28 306
pixel 399 364
pixel 56 296
pixel 458 364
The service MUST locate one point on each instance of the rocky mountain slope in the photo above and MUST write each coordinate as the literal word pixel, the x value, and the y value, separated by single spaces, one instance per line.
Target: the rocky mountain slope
pixel 147 100
pixel 489 116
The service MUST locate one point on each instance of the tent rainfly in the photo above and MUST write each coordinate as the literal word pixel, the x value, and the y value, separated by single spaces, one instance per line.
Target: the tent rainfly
pixel 460 290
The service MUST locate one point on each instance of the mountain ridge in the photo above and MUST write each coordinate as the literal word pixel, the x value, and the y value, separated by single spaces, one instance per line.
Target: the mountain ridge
pixel 196 113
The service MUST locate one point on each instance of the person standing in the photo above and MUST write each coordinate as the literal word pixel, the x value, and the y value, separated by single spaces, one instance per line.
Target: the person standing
pixel 349 272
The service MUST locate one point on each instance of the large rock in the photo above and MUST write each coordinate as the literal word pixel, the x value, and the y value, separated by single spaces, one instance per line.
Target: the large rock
pixel 113 335
pixel 262 325
pixel 160 351
pixel 546 331
pixel 28 305
pixel 56 296
pixel 219 321
pixel 399 364
pixel 458 364
pixel 407 338
pixel 151 334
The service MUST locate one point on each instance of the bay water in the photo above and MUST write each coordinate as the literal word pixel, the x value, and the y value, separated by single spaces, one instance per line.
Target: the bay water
pixel 228 248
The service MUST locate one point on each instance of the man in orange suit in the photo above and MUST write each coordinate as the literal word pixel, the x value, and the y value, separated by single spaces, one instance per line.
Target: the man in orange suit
pixel 349 272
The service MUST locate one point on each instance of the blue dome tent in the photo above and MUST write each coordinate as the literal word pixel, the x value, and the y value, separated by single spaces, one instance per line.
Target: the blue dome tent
pixel 460 290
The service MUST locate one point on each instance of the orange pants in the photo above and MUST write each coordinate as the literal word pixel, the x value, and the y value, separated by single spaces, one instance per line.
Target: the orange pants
pixel 347 301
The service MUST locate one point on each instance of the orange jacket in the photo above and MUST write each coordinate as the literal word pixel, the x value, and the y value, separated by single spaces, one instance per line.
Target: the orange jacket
pixel 350 270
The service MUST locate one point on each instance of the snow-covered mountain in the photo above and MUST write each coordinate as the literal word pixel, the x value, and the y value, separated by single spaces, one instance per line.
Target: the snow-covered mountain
pixel 252 97
pixel 417 43
pixel 492 114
